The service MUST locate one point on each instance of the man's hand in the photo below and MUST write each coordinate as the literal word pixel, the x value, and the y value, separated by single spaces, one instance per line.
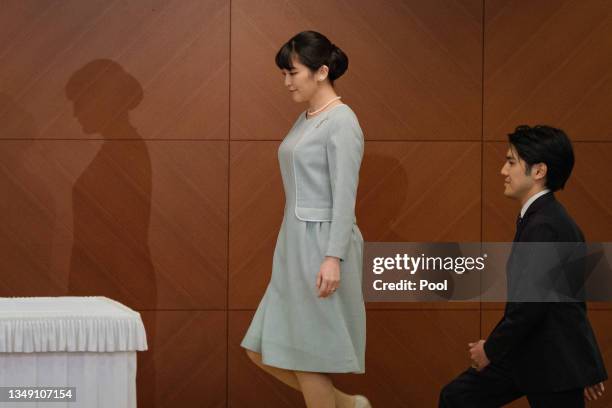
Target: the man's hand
pixel 592 392
pixel 478 355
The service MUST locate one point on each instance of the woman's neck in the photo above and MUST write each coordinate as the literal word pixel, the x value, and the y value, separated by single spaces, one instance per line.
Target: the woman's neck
pixel 321 98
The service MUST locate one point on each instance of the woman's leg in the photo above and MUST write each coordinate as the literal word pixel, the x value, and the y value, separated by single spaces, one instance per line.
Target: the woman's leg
pixel 318 389
pixel 285 376
pixel 289 378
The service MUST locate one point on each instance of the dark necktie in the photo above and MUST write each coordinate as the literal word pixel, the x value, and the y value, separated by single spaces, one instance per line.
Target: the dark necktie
pixel 519 225
pixel 517 233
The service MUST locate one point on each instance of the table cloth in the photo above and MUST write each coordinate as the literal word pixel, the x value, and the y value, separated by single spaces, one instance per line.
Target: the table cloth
pixel 89 343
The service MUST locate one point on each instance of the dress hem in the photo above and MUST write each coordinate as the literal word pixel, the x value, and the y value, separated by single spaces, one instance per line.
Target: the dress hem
pixel 286 366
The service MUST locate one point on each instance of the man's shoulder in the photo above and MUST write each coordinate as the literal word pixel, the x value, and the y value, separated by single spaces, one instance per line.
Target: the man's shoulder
pixel 554 223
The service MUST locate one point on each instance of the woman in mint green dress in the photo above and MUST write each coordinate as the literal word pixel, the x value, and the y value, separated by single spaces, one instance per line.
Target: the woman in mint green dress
pixel 311 319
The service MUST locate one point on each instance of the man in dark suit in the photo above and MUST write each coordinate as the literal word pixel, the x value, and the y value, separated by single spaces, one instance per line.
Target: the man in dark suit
pixel 543 350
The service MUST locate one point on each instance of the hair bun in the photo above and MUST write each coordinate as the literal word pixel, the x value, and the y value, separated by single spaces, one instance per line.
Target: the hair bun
pixel 338 62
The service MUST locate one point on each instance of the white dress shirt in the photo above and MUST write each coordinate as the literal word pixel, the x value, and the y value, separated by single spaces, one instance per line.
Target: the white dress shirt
pixel 531 200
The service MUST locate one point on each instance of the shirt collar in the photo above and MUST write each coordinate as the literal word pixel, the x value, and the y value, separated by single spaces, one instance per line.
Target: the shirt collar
pixel 531 200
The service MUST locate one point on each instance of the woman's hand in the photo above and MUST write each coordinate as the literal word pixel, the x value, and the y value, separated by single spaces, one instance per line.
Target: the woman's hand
pixel 328 278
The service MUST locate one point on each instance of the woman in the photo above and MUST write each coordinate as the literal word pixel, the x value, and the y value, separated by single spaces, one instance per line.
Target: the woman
pixel 311 319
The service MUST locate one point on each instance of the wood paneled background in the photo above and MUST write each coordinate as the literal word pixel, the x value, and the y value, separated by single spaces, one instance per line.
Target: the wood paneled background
pixel 138 161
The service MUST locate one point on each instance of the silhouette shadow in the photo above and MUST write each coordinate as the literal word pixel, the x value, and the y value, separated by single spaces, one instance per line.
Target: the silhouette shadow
pixel 390 194
pixel 387 185
pixel 112 204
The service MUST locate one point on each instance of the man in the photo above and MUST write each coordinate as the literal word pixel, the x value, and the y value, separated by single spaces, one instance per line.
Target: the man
pixel 545 351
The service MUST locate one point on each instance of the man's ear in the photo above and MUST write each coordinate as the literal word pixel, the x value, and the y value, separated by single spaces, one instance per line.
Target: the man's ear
pixel 539 171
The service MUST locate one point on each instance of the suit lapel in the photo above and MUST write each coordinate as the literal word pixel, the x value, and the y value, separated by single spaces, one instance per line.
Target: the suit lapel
pixel 536 206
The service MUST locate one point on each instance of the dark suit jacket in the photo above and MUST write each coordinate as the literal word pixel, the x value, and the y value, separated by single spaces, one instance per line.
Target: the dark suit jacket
pixel 547 346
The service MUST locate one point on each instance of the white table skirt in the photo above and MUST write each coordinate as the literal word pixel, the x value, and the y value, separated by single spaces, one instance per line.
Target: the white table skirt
pixel 85 342
pixel 102 380
pixel 93 323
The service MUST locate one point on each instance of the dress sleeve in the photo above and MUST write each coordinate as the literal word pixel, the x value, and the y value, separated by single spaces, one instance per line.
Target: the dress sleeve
pixel 344 154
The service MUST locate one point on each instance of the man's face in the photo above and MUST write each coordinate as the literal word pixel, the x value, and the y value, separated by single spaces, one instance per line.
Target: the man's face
pixel 517 183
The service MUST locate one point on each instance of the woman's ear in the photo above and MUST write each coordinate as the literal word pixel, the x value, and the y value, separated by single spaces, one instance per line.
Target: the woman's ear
pixel 322 72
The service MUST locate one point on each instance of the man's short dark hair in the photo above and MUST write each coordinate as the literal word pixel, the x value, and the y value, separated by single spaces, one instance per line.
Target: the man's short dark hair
pixel 548 145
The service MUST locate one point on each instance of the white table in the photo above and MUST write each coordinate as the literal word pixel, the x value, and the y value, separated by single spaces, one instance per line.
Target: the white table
pixel 85 342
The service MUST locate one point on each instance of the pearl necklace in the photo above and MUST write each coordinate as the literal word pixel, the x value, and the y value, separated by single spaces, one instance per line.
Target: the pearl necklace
pixel 309 113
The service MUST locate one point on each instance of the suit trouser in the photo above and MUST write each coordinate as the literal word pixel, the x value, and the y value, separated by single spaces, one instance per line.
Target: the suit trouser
pixel 494 387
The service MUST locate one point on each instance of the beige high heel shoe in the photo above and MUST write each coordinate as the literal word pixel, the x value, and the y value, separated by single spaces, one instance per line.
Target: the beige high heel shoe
pixel 362 402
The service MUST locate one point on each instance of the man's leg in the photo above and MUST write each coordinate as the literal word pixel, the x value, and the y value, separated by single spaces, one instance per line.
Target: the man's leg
pixel 491 387
pixel 565 399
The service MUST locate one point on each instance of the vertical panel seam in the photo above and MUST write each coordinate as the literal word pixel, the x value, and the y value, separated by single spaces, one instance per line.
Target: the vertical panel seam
pixel 229 145
pixel 482 113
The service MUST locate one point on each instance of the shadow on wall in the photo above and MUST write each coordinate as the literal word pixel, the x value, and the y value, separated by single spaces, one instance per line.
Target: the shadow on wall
pixel 27 209
pixel 380 175
pixel 112 203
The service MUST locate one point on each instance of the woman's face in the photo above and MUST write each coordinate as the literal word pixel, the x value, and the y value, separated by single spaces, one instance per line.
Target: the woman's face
pixel 300 81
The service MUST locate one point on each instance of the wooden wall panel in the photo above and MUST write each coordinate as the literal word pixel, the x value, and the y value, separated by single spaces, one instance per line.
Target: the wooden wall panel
pixel 411 355
pixel 587 195
pixel 141 222
pixel 436 192
pixel 414 70
pixel 188 231
pixel 548 62
pixel 436 198
pixel 194 217
pixel 178 51
pixel 185 365
pixel 256 213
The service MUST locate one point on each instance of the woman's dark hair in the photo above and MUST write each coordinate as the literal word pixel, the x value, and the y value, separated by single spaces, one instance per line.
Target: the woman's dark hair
pixel 313 50
pixel 545 144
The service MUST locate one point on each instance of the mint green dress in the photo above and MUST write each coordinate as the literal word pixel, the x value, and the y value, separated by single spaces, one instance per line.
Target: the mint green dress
pixel 293 328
